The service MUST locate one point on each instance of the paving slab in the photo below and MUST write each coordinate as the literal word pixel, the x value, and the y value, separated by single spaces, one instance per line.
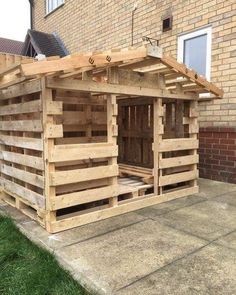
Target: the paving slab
pixel 227 198
pixel 209 188
pixel 128 254
pixel 166 207
pixel 78 234
pixel 208 220
pixel 209 271
pixel 228 241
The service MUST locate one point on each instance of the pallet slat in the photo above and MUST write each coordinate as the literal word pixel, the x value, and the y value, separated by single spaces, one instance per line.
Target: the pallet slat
pixel 21 108
pixel 80 152
pixel 23 142
pixel 79 175
pixel 26 160
pixel 177 177
pixel 168 145
pixel 24 193
pixel 22 125
pixel 82 197
pixel 34 179
pixel 178 161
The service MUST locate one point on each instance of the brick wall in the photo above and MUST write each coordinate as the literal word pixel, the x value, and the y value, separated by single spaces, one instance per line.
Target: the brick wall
pixel 218 153
pixel 97 25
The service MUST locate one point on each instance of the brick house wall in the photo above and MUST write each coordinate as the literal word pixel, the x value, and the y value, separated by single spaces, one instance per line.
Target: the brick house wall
pixel 99 25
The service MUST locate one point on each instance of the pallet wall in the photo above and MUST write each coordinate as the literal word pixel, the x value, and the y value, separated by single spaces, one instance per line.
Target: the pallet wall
pixel 22 165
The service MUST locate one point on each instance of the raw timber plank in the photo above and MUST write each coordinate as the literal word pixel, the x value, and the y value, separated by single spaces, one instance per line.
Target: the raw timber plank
pixel 134 204
pixel 54 131
pixel 82 152
pixel 25 88
pixel 12 68
pixel 177 177
pixel 76 62
pixel 22 125
pixel 98 87
pixel 26 160
pixel 34 179
pixel 26 194
pixel 79 186
pixel 79 175
pixel 23 142
pixel 54 107
pixel 82 197
pixel 21 108
pixel 178 161
pixel 192 75
pixel 168 145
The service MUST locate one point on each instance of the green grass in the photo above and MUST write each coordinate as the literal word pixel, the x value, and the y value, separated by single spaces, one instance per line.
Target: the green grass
pixel 27 269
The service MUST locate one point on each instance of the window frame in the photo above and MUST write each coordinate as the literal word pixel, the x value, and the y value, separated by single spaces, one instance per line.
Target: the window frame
pixel 197 33
pixel 51 11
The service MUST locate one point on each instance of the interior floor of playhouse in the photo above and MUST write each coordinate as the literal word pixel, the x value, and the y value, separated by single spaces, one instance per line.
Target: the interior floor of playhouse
pixel 133 185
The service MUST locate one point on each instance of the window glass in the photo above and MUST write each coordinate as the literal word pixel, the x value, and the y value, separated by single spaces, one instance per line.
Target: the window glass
pixel 195 53
pixel 53 4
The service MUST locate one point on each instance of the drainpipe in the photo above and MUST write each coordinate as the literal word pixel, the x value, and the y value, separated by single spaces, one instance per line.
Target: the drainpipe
pixel 132 23
pixel 31 13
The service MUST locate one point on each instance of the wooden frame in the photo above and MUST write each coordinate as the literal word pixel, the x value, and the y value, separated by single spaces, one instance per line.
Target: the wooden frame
pixel 92 136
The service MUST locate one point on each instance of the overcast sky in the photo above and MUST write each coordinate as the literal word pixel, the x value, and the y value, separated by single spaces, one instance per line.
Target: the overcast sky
pixel 14 19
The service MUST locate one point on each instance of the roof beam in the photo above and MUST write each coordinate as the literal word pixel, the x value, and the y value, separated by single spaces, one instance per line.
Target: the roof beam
pixel 98 87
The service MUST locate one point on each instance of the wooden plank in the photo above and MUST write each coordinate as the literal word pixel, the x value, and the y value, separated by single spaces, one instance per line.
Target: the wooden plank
pixel 21 108
pixel 178 161
pixel 76 62
pixel 25 160
pixel 34 179
pixel 23 142
pixel 22 125
pixel 98 87
pixel 25 88
pixel 135 204
pixel 79 175
pixel 168 145
pixel 177 177
pixel 80 152
pixel 83 197
pixel 192 75
pixel 12 68
pixel 9 83
pixel 26 194
pixel 54 107
pixel 54 131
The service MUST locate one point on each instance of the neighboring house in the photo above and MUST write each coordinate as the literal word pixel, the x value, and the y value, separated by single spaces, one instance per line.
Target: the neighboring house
pixel 42 43
pixel 10 46
pixel 200 33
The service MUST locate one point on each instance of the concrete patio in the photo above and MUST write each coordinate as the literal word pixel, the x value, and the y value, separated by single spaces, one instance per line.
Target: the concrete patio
pixel 185 246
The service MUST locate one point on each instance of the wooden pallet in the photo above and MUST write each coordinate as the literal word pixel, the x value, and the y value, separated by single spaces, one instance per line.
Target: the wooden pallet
pixel 24 206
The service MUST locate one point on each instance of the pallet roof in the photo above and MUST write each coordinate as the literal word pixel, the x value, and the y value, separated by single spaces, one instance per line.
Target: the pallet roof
pixel 144 60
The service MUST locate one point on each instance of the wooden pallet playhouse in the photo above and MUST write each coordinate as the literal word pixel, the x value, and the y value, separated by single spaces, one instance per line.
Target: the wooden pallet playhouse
pixel 95 135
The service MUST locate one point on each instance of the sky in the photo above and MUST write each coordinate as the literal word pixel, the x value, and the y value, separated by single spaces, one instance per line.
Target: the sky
pixel 14 19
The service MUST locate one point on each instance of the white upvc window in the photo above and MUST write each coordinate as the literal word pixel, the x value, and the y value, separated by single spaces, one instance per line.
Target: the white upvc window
pixel 53 4
pixel 194 50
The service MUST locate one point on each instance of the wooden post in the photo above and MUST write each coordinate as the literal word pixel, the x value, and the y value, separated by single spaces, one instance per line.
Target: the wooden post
pixel 112 128
pixel 157 137
pixel 193 130
pixel 48 145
